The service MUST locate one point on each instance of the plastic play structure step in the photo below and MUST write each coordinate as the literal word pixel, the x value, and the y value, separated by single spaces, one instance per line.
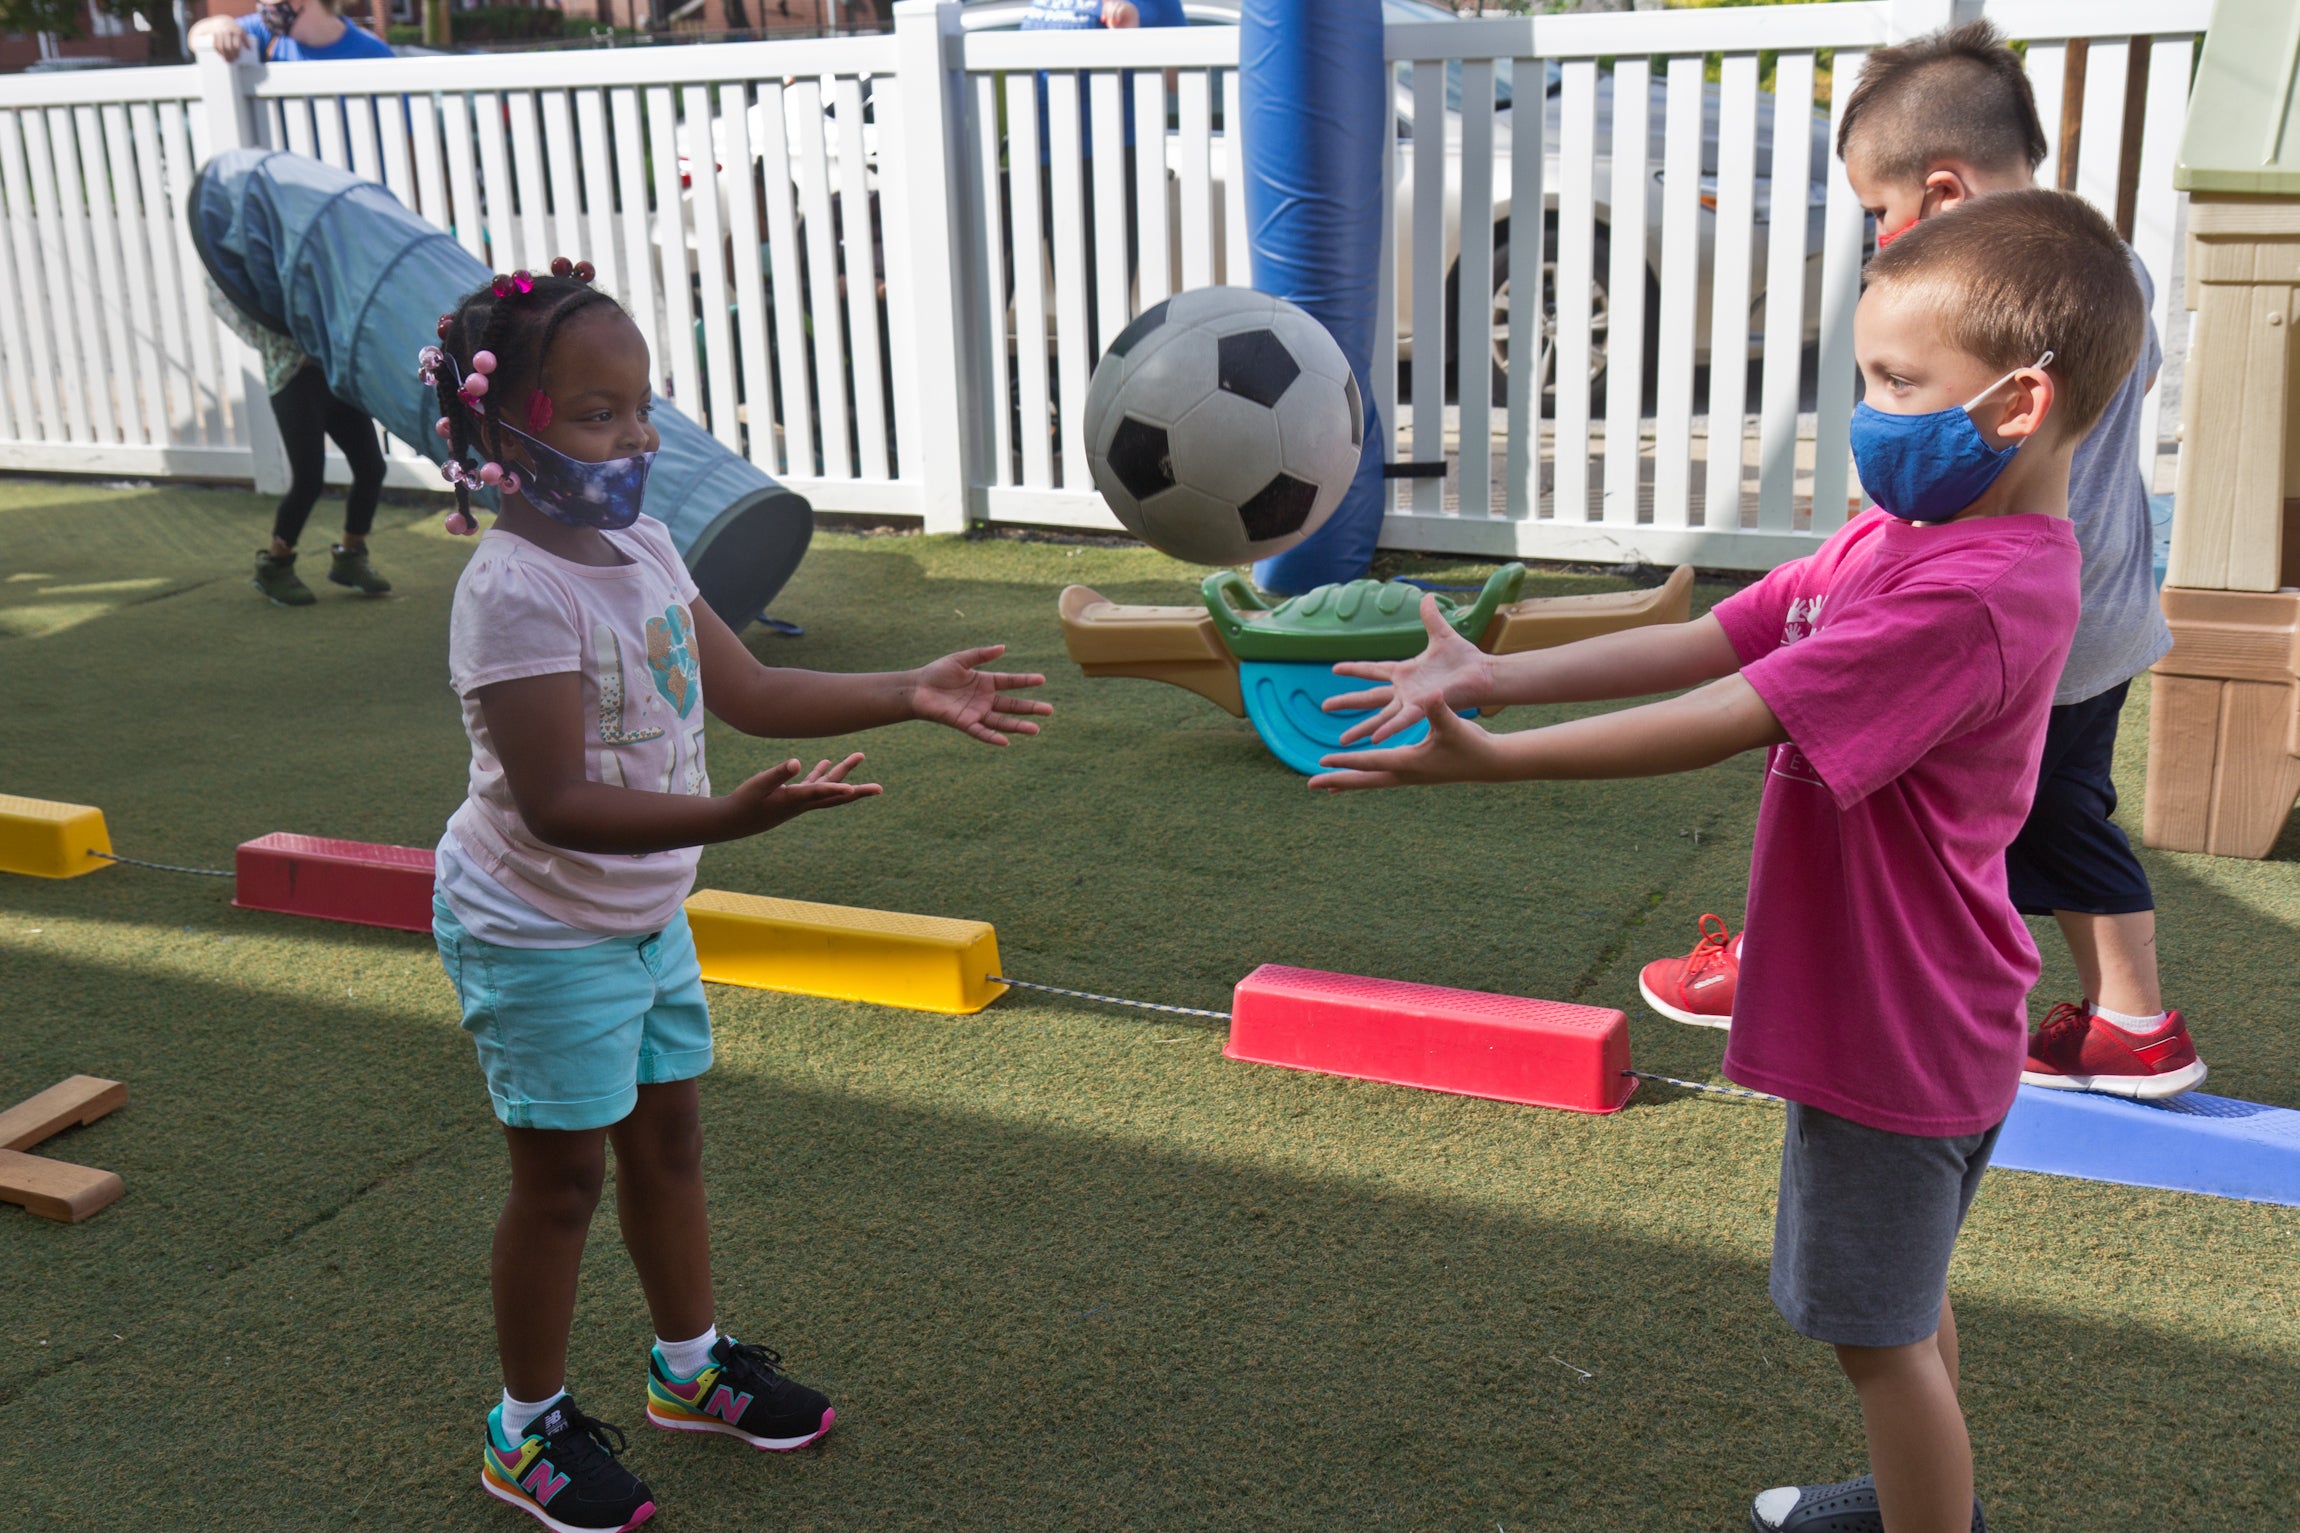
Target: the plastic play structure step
pixel 50 840
pixel 2193 1143
pixel 924 963
pixel 55 1189
pixel 1471 1042
pixel 355 881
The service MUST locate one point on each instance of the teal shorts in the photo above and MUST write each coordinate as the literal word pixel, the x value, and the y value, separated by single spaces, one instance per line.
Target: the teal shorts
pixel 567 1036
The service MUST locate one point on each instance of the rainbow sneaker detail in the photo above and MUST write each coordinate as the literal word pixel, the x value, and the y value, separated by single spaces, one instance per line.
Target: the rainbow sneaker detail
pixel 563 1472
pixel 742 1392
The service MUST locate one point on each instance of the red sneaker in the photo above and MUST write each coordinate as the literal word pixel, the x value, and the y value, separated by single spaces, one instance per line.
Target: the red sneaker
pixel 1697 988
pixel 2077 1051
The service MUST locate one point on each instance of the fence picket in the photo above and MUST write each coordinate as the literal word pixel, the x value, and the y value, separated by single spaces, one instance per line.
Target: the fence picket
pixel 559 157
pixel 1107 128
pixel 804 102
pixel 1680 284
pixel 394 124
pixel 1473 314
pixel 1068 207
pixel 1576 273
pixel 1030 336
pixel 638 285
pixel 1237 249
pixel 463 175
pixel 64 252
pixel 1527 254
pixel 2048 81
pixel 431 193
pixel 1154 232
pixel 24 332
pixel 714 402
pixel 146 383
pixel 297 131
pixel 177 148
pixel 499 195
pixel 2156 212
pixel 109 293
pixel 527 184
pixel 178 398
pixel 1784 297
pixel 681 380
pixel 2101 157
pixel 1428 269
pixel 796 412
pixel 1625 292
pixel 366 154
pixel 859 261
pixel 1195 108
pixel 597 244
pixel 1844 231
pixel 1729 284
pixel 749 244
pixel 1384 438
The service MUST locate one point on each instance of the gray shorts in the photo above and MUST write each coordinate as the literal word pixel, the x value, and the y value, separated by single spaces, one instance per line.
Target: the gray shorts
pixel 1867 1220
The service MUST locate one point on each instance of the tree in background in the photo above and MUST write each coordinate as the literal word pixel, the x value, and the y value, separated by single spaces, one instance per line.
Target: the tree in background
pixel 68 19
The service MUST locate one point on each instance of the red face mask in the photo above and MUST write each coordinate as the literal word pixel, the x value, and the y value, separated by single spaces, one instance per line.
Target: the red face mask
pixel 1886 237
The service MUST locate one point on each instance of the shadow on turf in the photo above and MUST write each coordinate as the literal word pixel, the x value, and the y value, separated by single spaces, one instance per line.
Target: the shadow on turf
pixel 1025 1326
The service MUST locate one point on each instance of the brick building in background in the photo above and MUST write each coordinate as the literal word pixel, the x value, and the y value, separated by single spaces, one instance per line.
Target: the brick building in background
pixel 102 36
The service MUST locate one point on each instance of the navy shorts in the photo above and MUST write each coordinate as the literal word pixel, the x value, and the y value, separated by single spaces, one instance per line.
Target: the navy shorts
pixel 2070 855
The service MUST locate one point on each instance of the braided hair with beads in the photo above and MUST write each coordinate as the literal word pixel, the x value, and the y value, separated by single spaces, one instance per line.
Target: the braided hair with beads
pixel 492 348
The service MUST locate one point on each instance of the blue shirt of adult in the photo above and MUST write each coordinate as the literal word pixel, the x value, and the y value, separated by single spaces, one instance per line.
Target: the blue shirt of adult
pixel 354 44
pixel 1084 16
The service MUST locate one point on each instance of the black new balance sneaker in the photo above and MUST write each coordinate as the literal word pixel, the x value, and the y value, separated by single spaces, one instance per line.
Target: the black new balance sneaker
pixel 563 1472
pixel 1850 1507
pixel 743 1392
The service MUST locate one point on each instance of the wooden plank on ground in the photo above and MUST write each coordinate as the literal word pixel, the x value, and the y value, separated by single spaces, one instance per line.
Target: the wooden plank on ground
pixel 54 1189
pixel 76 1100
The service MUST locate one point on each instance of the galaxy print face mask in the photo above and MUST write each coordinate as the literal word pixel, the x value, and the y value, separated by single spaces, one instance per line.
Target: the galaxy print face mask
pixel 607 494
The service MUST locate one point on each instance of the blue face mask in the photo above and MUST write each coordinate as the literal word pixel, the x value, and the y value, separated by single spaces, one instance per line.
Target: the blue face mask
pixel 1927 468
pixel 606 494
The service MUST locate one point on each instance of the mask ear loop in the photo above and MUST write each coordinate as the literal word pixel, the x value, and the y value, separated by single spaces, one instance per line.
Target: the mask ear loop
pixel 2039 365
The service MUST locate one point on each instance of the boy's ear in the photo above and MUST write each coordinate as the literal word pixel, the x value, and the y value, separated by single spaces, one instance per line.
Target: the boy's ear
pixel 1946 187
pixel 2028 400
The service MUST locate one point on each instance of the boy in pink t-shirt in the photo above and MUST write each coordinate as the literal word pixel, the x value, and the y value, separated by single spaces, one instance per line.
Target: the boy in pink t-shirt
pixel 1900 678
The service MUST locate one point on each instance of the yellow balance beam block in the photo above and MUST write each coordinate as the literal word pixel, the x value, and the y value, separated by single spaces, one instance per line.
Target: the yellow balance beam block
pixel 50 840
pixel 925 963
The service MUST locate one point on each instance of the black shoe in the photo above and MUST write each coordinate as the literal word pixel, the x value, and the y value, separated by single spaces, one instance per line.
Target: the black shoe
pixel 276 578
pixel 742 1393
pixel 1850 1507
pixel 564 1473
pixel 350 567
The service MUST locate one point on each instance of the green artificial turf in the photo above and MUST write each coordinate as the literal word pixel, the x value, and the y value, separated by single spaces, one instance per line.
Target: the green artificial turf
pixel 1060 1266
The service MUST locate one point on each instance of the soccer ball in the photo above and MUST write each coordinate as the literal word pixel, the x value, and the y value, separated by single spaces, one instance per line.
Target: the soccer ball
pixel 1223 425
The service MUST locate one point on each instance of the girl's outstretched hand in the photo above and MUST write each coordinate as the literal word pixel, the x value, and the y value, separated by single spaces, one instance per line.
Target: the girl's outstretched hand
pixel 780 793
pixel 1449 673
pixel 953 691
pixel 1456 751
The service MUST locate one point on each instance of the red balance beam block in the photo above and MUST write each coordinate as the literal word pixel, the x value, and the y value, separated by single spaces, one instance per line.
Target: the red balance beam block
pixel 354 881
pixel 1509 1048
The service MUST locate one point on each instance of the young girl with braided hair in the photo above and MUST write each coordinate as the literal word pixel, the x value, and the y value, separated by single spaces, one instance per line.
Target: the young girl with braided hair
pixel 585 660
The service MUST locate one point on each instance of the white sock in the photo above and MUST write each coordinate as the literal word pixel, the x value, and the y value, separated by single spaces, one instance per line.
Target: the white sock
pixel 2131 1024
pixel 685 1359
pixel 518 1413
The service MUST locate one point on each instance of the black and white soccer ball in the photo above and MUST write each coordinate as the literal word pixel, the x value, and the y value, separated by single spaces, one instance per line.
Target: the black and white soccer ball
pixel 1223 425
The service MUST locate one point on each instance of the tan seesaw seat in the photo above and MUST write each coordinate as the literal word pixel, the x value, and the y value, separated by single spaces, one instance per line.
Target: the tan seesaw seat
pixel 1179 645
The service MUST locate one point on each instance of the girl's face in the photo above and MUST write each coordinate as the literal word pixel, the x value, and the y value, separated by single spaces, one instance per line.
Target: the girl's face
pixel 596 380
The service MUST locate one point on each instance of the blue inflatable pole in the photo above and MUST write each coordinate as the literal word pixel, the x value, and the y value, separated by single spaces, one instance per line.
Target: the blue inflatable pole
pixel 359 282
pixel 1316 103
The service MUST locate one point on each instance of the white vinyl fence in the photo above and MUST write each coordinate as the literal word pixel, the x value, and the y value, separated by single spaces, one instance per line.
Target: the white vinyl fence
pixel 876 269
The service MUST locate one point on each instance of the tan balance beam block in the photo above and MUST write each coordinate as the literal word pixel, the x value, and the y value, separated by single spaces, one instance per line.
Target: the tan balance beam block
pixel 67 1104
pixel 56 1189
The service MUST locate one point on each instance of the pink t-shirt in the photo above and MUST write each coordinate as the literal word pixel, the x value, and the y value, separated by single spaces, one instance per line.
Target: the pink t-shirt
pixel 1884 973
pixel 629 632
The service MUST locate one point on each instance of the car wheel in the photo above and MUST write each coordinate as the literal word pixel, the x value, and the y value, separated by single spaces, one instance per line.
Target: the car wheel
pixel 1600 317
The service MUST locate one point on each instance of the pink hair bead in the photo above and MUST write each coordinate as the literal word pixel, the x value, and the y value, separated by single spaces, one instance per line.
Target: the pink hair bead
pixel 461 524
pixel 510 485
pixel 443 427
pixel 475 386
pixel 483 361
pixel 490 473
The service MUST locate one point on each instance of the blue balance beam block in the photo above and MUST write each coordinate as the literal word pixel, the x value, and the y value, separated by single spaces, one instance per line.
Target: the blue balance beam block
pixel 2193 1143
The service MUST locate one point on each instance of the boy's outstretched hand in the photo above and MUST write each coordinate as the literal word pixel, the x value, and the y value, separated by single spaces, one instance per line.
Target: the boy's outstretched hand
pixel 1456 751
pixel 780 793
pixel 1449 673
pixel 953 691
